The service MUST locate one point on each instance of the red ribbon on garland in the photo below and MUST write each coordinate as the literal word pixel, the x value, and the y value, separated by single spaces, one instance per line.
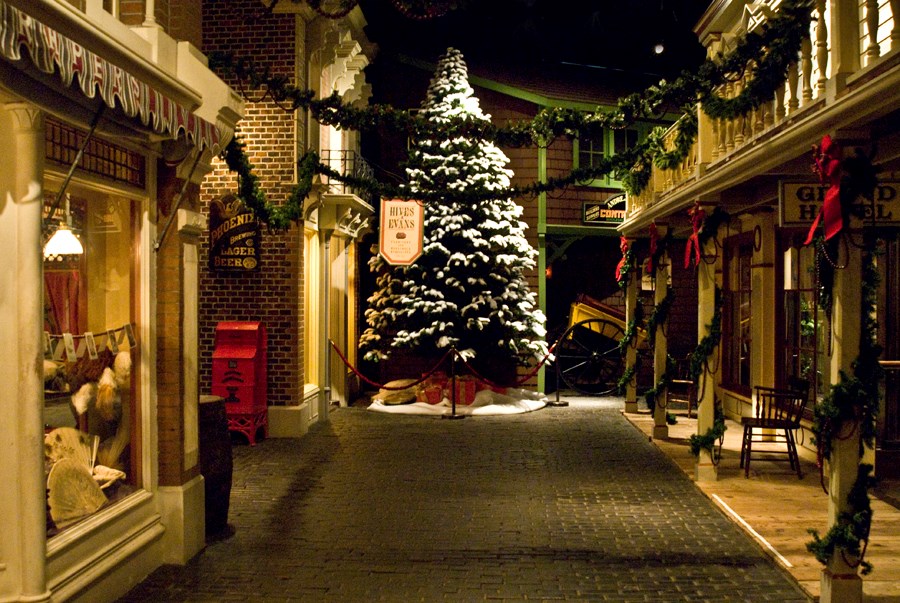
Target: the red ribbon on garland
pixel 654 239
pixel 623 245
pixel 828 166
pixel 693 243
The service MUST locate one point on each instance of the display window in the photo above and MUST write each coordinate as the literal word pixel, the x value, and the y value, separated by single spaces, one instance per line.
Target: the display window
pixel 804 321
pixel 91 409
pixel 737 312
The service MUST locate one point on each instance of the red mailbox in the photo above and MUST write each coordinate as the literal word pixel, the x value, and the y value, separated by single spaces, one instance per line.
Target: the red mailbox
pixel 239 376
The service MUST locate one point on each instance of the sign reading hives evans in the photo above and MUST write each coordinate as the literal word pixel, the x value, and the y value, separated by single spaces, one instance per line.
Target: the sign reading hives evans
pixel 233 236
pixel 801 202
pixel 402 227
pixel 604 213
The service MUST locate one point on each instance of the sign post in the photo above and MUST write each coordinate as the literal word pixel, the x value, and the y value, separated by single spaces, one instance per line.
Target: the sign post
pixel 401 231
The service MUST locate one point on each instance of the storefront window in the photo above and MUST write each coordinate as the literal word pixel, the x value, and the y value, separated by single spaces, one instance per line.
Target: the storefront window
pixel 90 376
pixel 804 320
pixel 737 311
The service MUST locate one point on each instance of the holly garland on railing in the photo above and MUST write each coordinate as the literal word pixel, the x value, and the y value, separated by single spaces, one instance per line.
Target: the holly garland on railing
pixel 766 52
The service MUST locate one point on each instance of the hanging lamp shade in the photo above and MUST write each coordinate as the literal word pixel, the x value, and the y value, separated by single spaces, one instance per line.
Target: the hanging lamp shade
pixel 63 242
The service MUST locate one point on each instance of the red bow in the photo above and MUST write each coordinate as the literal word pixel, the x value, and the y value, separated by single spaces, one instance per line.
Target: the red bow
pixel 828 166
pixel 623 245
pixel 654 238
pixel 697 216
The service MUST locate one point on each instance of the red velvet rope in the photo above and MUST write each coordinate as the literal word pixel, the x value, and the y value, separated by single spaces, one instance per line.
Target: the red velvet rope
pixel 382 386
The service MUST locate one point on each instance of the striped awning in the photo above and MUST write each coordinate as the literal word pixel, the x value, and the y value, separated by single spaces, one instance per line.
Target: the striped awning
pixel 50 51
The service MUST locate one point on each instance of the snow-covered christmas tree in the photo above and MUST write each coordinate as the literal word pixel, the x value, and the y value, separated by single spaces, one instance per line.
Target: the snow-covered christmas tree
pixel 468 288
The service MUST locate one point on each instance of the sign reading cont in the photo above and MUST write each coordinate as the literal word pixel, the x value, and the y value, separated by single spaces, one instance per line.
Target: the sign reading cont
pixel 801 202
pixel 604 213
pixel 233 236
pixel 402 229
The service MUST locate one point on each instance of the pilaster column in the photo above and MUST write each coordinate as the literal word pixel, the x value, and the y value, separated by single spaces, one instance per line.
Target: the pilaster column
pixel 762 299
pixel 23 520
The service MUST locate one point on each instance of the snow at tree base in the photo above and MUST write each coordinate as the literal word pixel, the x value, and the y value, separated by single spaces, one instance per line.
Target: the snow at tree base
pixel 468 289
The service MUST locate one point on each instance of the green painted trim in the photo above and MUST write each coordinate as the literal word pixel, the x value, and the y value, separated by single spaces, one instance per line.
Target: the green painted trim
pixel 542 250
pixel 526 95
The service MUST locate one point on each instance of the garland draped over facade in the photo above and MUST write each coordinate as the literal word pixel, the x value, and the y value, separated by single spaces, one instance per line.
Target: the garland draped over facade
pixel 766 52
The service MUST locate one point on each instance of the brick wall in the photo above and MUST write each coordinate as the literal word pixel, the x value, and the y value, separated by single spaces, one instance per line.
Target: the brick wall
pixel 169 334
pixel 273 294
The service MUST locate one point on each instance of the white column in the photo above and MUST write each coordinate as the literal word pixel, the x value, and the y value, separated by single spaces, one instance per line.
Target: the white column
pixel 705 469
pixel 23 505
pixel 631 302
pixel 840 582
pixel 661 349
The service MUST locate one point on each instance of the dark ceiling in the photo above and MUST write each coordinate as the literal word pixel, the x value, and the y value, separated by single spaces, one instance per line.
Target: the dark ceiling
pixel 607 35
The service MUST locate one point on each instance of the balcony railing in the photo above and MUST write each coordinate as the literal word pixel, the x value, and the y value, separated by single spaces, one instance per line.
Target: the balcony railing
pixel 349 163
pixel 868 29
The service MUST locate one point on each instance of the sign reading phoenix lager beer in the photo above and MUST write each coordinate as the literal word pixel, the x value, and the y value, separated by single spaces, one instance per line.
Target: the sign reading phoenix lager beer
pixel 233 236
pixel 402 229
pixel 801 201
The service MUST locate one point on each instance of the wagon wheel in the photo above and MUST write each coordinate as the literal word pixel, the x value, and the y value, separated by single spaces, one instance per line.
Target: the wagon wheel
pixel 588 358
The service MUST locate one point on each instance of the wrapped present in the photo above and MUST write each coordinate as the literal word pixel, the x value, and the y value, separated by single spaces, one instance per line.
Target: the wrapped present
pixel 466 386
pixel 431 390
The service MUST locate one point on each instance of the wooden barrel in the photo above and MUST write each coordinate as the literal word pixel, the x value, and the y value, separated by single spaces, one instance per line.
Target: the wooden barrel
pixel 216 464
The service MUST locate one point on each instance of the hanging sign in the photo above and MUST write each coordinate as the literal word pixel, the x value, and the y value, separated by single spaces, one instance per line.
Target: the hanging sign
pixel 800 203
pixel 233 236
pixel 402 231
pixel 604 213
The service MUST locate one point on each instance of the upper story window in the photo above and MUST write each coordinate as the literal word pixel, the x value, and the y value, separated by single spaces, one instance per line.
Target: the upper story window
pixel 590 151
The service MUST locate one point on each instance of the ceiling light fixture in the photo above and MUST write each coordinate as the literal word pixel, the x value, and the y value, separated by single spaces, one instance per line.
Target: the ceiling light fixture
pixel 63 242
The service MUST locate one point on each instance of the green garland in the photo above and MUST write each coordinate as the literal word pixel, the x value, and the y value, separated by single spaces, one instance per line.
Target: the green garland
pixel 707 345
pixel 715 433
pixel 278 217
pixel 628 337
pixel 711 224
pixel 662 385
pixel 766 52
pixel 852 405
pixel 698 360
pixel 627 268
pixel 631 329
pixel 659 316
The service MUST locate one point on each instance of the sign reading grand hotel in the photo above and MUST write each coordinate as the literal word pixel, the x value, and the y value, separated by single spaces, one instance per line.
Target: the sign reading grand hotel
pixel 604 213
pixel 233 236
pixel 402 229
pixel 800 203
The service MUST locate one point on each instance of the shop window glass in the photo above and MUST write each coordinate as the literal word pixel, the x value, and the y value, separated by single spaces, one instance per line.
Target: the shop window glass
pixel 90 364
pixel 804 320
pixel 737 311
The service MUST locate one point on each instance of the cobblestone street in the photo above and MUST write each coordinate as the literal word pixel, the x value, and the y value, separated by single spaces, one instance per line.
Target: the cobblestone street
pixel 561 504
